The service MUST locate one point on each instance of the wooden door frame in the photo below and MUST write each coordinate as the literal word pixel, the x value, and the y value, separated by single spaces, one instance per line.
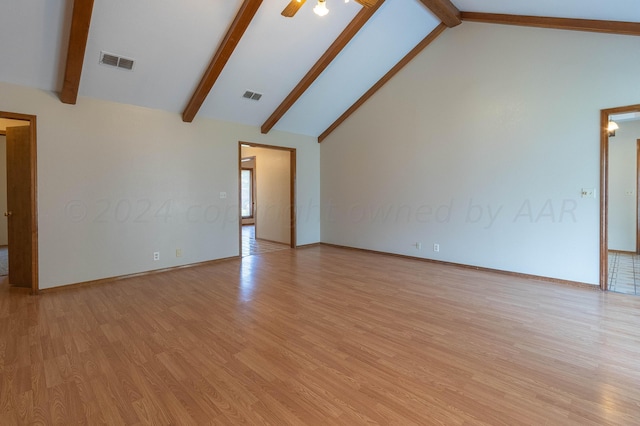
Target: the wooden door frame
pixel 292 188
pixel 33 196
pixel 604 192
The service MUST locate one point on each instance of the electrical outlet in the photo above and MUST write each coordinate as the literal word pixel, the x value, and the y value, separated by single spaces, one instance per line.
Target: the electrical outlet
pixel 223 195
pixel 156 255
pixel 419 246
pixel 178 252
pixel 436 247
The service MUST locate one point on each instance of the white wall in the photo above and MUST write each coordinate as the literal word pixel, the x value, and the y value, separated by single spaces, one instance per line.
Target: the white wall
pixel 272 193
pixel 4 237
pixel 482 144
pixel 622 186
pixel 118 182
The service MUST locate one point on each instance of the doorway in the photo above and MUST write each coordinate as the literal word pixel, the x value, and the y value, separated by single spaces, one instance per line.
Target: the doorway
pixel 267 196
pixel 605 193
pixel 248 190
pixel 19 132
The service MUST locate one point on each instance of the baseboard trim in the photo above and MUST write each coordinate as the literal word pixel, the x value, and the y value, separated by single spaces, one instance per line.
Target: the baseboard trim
pixel 137 274
pixel 477 268
pixel 622 252
pixel 273 241
pixel 305 246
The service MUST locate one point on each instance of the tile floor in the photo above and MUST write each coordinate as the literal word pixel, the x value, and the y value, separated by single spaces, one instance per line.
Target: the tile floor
pixel 624 273
pixel 4 260
pixel 251 245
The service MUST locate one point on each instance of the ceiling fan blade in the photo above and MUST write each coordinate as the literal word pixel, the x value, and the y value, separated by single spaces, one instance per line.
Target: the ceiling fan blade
pixel 367 3
pixel 292 8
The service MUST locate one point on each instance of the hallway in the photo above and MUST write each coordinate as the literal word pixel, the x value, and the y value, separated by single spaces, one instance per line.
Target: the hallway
pixel 251 245
pixel 624 273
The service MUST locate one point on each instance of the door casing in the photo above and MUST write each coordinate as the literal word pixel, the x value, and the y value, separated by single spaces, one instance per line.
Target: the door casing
pixel 604 192
pixel 292 189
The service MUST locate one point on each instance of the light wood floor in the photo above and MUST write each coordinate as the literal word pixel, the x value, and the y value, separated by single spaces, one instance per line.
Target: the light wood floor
pixel 320 336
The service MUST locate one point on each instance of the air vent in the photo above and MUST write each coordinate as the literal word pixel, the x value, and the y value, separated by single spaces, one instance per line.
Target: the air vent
pixel 254 96
pixel 116 61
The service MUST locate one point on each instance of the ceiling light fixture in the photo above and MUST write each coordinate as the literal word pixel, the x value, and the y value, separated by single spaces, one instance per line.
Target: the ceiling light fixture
pixel 321 8
pixel 612 127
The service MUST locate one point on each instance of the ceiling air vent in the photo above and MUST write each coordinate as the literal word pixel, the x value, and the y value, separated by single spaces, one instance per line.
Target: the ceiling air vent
pixel 116 61
pixel 252 95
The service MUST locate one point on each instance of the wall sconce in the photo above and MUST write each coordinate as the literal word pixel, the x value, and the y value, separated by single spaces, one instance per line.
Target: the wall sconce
pixel 612 127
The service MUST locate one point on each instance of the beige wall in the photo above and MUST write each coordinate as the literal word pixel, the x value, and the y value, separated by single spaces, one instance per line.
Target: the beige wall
pixel 482 144
pixel 118 182
pixel 273 221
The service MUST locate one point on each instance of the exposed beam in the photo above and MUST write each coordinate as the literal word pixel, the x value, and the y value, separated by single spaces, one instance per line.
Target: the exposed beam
pixel 446 11
pixel 80 23
pixel 225 50
pixel 388 76
pixel 343 39
pixel 611 27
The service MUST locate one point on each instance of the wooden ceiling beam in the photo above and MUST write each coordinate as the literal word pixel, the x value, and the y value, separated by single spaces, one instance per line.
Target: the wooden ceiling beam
pixel 80 23
pixel 446 11
pixel 343 39
pixel 221 57
pixel 388 76
pixel 591 25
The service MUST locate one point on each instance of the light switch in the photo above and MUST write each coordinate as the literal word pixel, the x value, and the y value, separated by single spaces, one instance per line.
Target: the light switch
pixel 588 193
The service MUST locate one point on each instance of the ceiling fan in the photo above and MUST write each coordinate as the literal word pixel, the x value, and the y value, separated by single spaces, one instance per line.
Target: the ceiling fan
pixel 321 8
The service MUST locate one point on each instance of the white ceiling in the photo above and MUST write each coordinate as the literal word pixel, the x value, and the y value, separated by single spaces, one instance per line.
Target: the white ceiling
pixel 628 116
pixel 608 10
pixel 173 41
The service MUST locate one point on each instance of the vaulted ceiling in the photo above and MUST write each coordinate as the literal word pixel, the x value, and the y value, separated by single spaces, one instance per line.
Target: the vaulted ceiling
pixel 198 57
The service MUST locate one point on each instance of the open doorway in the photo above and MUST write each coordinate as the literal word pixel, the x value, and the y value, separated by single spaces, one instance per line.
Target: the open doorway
pixel 18 134
pixel 267 198
pixel 619 201
pixel 248 190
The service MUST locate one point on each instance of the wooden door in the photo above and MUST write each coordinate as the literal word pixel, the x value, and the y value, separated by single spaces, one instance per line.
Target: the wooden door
pixel 19 205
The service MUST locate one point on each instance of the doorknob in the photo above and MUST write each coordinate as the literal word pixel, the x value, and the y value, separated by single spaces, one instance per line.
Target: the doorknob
pixel 7 214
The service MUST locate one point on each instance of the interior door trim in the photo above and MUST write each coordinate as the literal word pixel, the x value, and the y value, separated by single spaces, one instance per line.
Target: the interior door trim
pixel 292 187
pixel 604 192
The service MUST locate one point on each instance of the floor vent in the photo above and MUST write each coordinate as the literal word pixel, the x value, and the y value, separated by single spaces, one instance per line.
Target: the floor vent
pixel 116 61
pixel 254 96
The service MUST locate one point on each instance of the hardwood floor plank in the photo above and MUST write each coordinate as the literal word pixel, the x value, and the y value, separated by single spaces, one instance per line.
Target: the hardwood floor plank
pixel 322 335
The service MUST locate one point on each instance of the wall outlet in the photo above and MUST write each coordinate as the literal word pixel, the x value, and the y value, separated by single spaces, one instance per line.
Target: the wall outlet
pixel 436 247
pixel 178 252
pixel 156 255
pixel 223 195
pixel 419 246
